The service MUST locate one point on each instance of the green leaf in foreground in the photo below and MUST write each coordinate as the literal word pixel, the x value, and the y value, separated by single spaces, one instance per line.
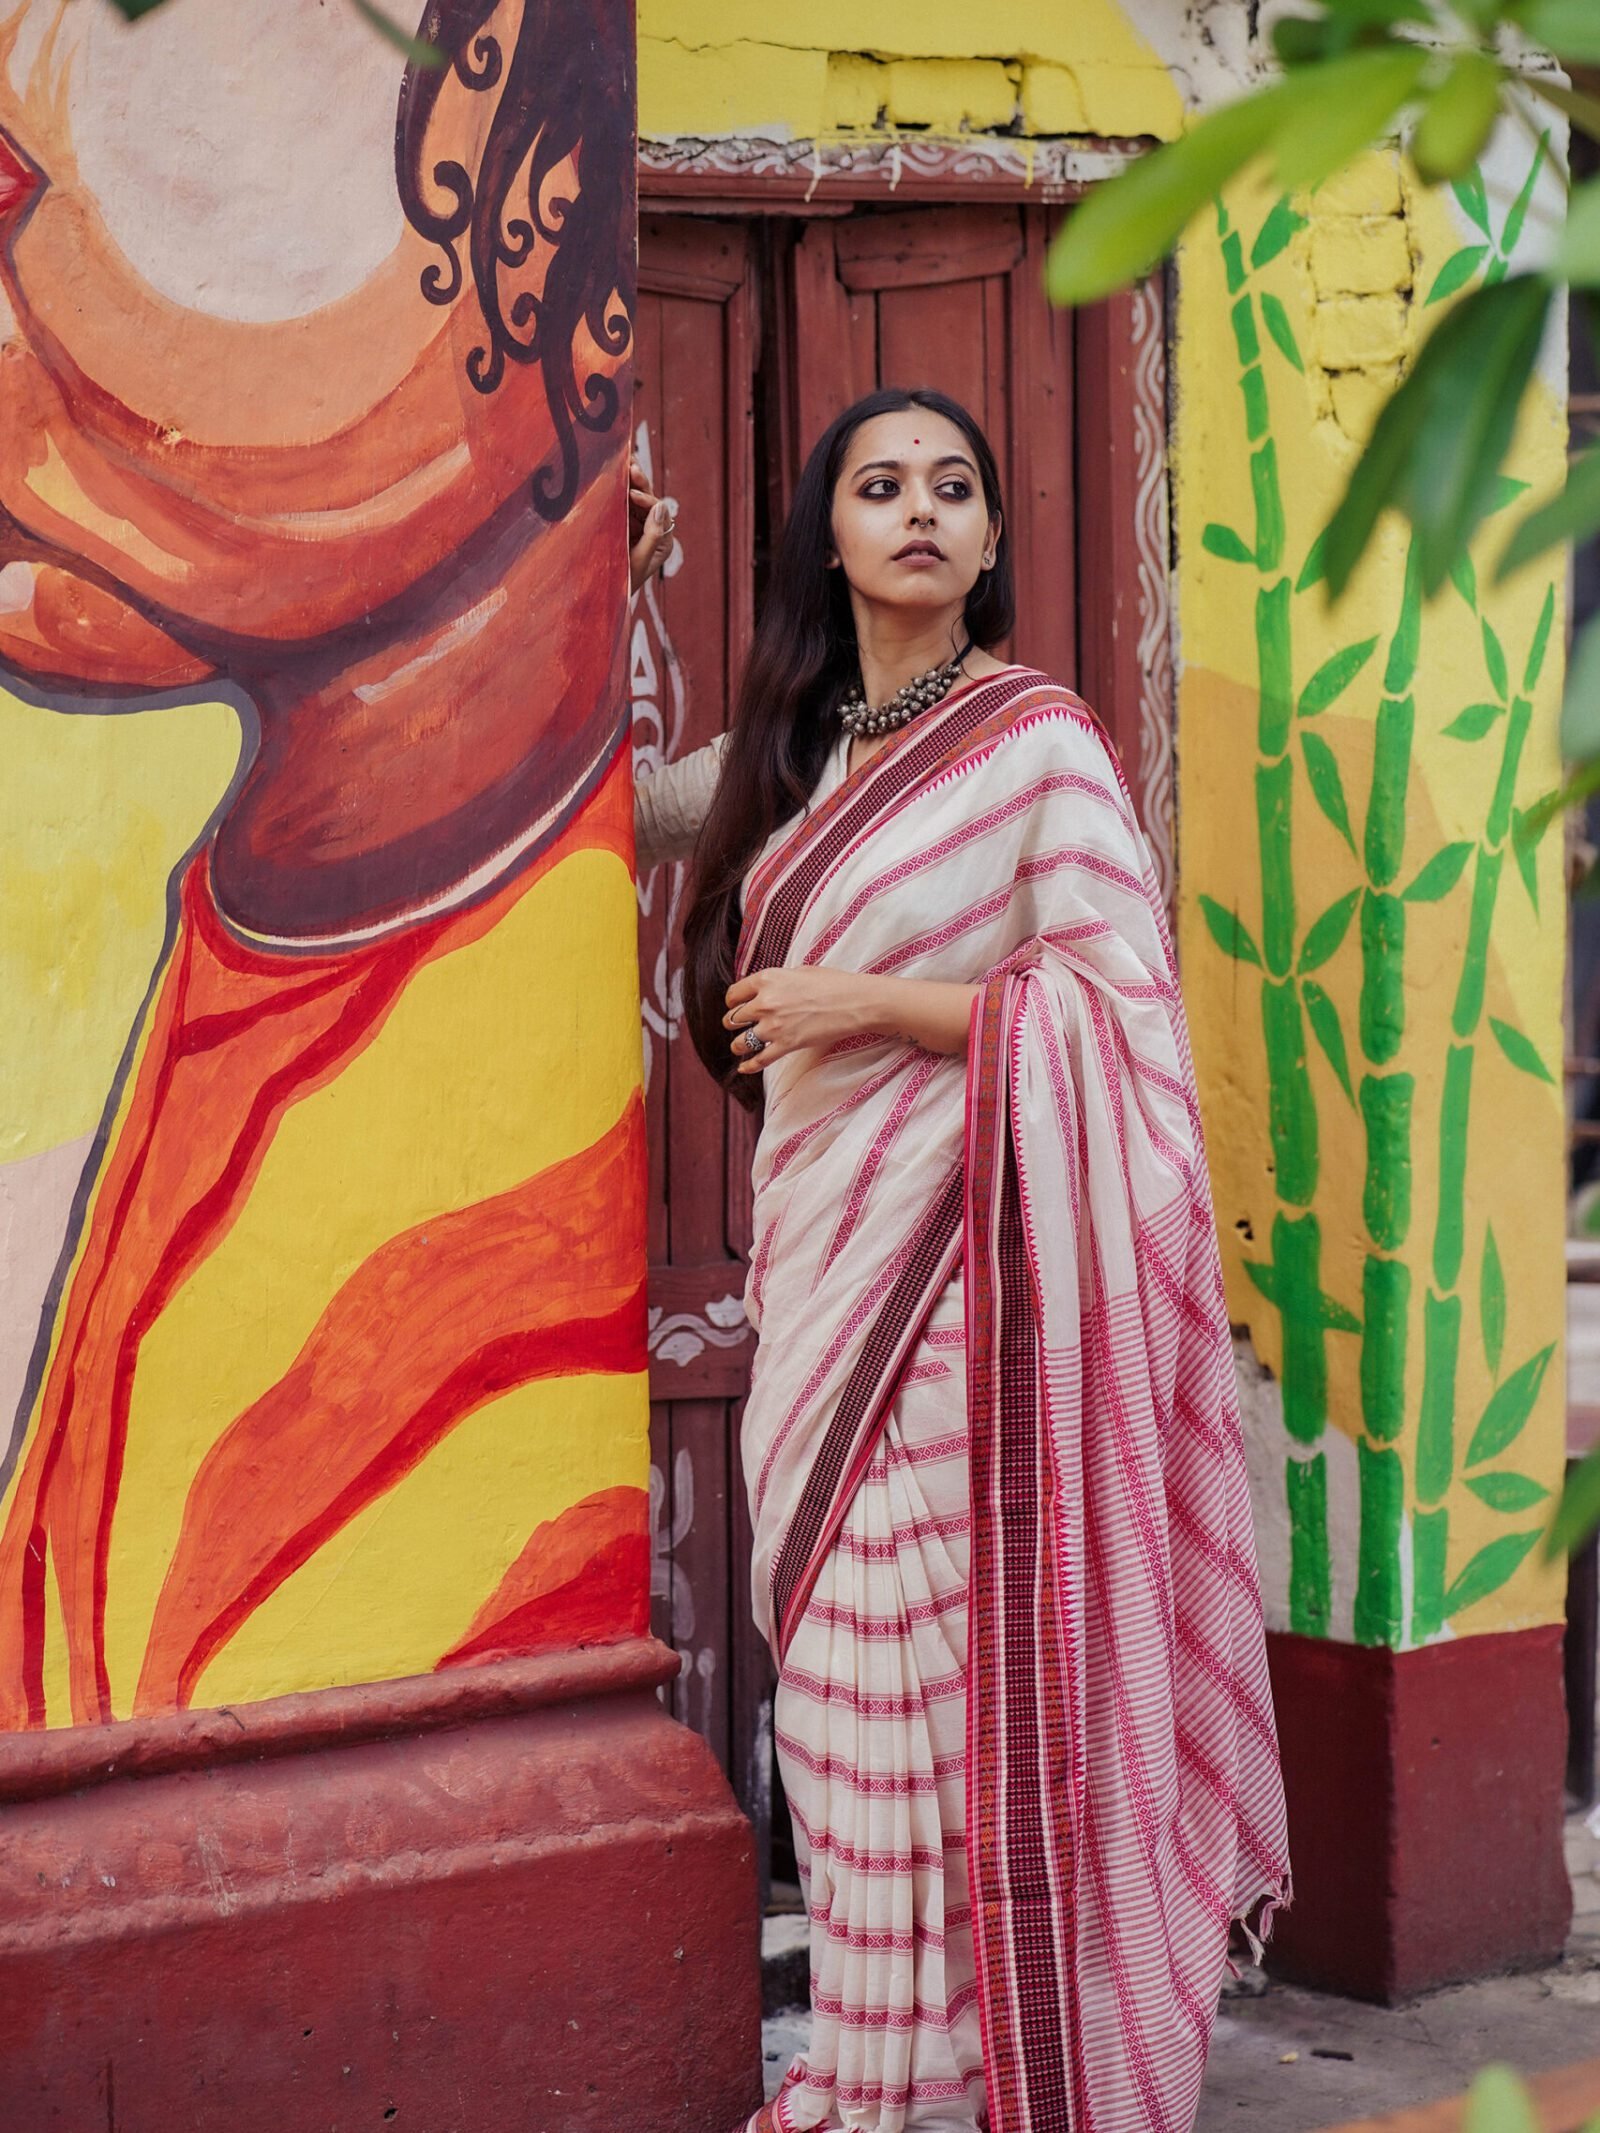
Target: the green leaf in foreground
pixel 1341 108
pixel 1329 1032
pixel 1507 1492
pixel 1436 448
pixel 1324 937
pixel 1577 257
pixel 1569 28
pixel 417 49
pixel 1327 786
pixel 1580 708
pixel 1229 932
pixel 1123 229
pixel 1520 1051
pixel 1497 2102
pixel 1457 119
pixel 1487 1571
pixel 1509 1409
pixel 1578 1512
pixel 1571 516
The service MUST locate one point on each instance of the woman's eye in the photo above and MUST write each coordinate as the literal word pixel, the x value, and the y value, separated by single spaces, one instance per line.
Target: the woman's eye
pixel 957 491
pixel 881 486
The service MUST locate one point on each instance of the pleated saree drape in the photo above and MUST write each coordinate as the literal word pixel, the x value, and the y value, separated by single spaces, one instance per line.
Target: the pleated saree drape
pixel 1002 1531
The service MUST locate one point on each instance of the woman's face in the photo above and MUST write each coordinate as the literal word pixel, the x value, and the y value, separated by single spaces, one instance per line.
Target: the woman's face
pixel 224 397
pixel 910 526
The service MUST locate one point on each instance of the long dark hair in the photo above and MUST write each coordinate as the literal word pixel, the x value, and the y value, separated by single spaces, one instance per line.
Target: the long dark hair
pixel 802 662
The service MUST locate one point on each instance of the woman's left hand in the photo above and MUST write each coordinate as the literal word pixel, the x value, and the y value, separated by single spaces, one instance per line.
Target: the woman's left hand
pixel 799 1010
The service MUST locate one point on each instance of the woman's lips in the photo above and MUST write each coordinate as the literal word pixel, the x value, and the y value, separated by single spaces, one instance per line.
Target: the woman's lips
pixel 19 181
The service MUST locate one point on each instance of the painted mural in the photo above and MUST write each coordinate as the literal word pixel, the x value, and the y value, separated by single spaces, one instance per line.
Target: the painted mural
pixel 1376 967
pixel 322 1324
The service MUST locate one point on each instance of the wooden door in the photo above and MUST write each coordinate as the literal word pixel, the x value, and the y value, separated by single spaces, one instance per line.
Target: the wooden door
pixel 951 297
pixel 696 342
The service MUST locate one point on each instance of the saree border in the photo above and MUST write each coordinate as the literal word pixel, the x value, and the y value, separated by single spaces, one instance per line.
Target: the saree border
pixel 784 884
pixel 863 1409
pixel 1020 1849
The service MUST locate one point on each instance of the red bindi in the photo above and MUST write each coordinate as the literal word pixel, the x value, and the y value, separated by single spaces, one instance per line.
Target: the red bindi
pixel 916 440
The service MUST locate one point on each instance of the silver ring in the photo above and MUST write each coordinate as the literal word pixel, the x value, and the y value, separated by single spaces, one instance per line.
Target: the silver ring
pixel 752 1043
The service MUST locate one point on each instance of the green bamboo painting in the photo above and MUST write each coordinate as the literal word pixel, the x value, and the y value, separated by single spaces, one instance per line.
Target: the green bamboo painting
pixel 1404 1280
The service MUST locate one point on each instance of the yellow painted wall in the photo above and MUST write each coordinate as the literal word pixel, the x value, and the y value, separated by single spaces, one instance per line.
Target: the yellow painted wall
pixel 1412 1525
pixel 713 67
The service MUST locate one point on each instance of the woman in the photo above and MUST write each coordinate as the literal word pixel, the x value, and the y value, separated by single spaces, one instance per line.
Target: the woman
pixel 1002 1532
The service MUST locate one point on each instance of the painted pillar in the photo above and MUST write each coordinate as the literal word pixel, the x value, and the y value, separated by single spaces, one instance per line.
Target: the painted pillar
pixel 1375 977
pixel 328 1732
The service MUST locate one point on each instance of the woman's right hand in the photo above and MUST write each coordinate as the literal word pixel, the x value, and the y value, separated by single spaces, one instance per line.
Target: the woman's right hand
pixel 651 527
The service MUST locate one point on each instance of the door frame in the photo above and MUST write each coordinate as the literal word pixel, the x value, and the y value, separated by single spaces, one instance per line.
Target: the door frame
pixel 1124 576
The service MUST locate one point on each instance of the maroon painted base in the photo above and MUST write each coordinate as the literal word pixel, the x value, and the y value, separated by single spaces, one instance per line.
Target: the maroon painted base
pixel 1425 1811
pixel 515 1897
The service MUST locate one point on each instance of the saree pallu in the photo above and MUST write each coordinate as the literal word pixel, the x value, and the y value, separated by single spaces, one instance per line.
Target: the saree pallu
pixel 1002 1530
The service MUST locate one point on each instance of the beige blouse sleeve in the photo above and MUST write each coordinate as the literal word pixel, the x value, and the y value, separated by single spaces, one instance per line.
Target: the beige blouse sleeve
pixel 670 803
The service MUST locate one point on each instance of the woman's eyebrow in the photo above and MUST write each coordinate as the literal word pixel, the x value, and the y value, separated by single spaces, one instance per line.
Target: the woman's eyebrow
pixel 896 466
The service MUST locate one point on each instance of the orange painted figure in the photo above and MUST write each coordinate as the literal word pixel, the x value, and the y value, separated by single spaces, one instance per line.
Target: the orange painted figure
pixel 313 402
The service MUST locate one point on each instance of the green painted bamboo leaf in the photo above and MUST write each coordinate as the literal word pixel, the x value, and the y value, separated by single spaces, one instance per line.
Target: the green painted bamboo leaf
pixel 1315 567
pixel 1507 488
pixel 1437 446
pixel 1580 705
pixel 1473 200
pixel 1336 1318
pixel 416 49
pixel 1511 235
pixel 1323 940
pixel 1334 676
pixel 1277 322
pixel 1520 1051
pixel 1229 932
pixel 1509 1409
pixel 1456 272
pixel 1473 723
pixel 1569 28
pixel 1343 108
pixel 1440 875
pixel 1541 641
pixel 1275 233
pixel 1578 1512
pixel 1329 1033
pixel 1121 230
pixel 1525 849
pixel 1465 579
pixel 1492 1302
pixel 1494 658
pixel 1457 119
pixel 1571 516
pixel 1265 1276
pixel 1488 1570
pixel 1224 542
pixel 1497 2102
pixel 1327 786
pixel 1507 1492
pixel 1577 257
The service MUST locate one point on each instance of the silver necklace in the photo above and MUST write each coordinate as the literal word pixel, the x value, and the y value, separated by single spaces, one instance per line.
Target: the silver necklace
pixel 920 693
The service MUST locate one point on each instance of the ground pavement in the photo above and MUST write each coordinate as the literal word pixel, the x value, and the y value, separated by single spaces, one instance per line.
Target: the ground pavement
pixel 1287 2061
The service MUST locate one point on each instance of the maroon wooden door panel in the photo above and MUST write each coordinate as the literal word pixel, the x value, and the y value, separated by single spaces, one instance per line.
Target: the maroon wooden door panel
pixel 696 342
pixel 951 297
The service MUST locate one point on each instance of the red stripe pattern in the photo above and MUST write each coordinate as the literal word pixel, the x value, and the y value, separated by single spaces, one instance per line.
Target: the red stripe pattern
pixel 1002 1527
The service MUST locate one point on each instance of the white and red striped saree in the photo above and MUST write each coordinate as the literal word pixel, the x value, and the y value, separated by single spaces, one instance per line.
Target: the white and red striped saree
pixel 1002 1532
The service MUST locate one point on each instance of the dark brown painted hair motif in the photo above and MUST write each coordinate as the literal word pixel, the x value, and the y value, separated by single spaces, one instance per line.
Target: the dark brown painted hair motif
pixel 565 89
